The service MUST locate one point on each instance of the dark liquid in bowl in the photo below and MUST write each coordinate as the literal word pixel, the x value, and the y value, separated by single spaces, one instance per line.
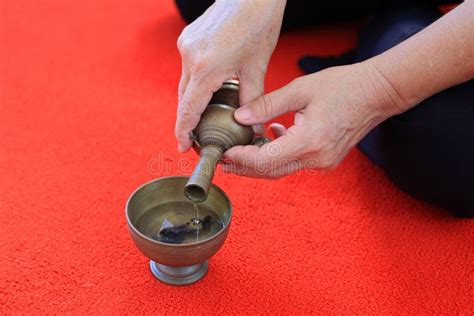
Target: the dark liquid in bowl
pixel 179 223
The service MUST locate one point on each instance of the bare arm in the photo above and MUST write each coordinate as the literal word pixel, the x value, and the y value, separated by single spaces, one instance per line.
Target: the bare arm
pixel 438 57
pixel 336 107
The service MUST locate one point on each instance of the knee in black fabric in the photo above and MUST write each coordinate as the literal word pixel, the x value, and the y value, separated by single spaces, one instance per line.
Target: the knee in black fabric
pixel 428 151
pixel 430 164
pixel 190 10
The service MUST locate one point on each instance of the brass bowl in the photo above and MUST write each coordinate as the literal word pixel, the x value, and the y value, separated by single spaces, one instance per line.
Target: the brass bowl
pixel 176 264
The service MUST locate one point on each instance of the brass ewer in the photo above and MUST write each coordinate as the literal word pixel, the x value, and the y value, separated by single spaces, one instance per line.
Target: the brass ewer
pixel 216 132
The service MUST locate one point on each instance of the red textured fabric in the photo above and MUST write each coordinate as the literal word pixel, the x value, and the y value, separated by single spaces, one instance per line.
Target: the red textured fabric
pixel 87 110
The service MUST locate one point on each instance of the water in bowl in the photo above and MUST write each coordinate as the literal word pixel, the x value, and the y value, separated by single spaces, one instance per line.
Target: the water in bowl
pixel 179 223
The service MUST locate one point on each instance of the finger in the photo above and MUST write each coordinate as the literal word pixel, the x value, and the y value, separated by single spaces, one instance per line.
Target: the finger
pixel 195 98
pixel 252 84
pixel 272 155
pixel 277 129
pixel 183 81
pixel 258 129
pixel 239 170
pixel 249 171
pixel 271 105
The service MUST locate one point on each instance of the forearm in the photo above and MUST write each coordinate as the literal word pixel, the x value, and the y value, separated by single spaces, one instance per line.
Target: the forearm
pixel 439 57
pixel 267 8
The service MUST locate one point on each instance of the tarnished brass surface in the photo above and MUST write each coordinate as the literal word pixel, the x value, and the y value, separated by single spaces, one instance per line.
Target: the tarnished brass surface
pixel 198 185
pixel 190 258
pixel 216 132
pixel 228 94
pixel 260 140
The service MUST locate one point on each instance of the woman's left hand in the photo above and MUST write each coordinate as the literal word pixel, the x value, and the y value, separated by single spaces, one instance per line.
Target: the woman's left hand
pixel 335 109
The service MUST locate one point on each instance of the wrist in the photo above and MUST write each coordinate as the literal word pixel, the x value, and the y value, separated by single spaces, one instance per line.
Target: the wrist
pixel 278 5
pixel 384 94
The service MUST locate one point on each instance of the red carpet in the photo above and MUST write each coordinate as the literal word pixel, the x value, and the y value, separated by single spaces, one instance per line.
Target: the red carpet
pixel 87 109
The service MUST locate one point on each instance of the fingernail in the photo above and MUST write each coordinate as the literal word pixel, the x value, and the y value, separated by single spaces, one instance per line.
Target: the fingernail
pixel 243 114
pixel 227 168
pixel 259 129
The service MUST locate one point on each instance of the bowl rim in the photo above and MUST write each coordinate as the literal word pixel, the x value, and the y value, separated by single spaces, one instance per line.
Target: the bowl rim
pixel 135 230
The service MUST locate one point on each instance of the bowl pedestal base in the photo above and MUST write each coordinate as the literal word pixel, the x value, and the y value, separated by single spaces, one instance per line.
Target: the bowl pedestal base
pixel 178 275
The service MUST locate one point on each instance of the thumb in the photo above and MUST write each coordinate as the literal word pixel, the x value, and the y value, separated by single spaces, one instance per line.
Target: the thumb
pixel 251 87
pixel 264 108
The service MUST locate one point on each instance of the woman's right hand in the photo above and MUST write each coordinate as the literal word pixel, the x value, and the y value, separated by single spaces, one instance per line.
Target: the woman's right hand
pixel 232 39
